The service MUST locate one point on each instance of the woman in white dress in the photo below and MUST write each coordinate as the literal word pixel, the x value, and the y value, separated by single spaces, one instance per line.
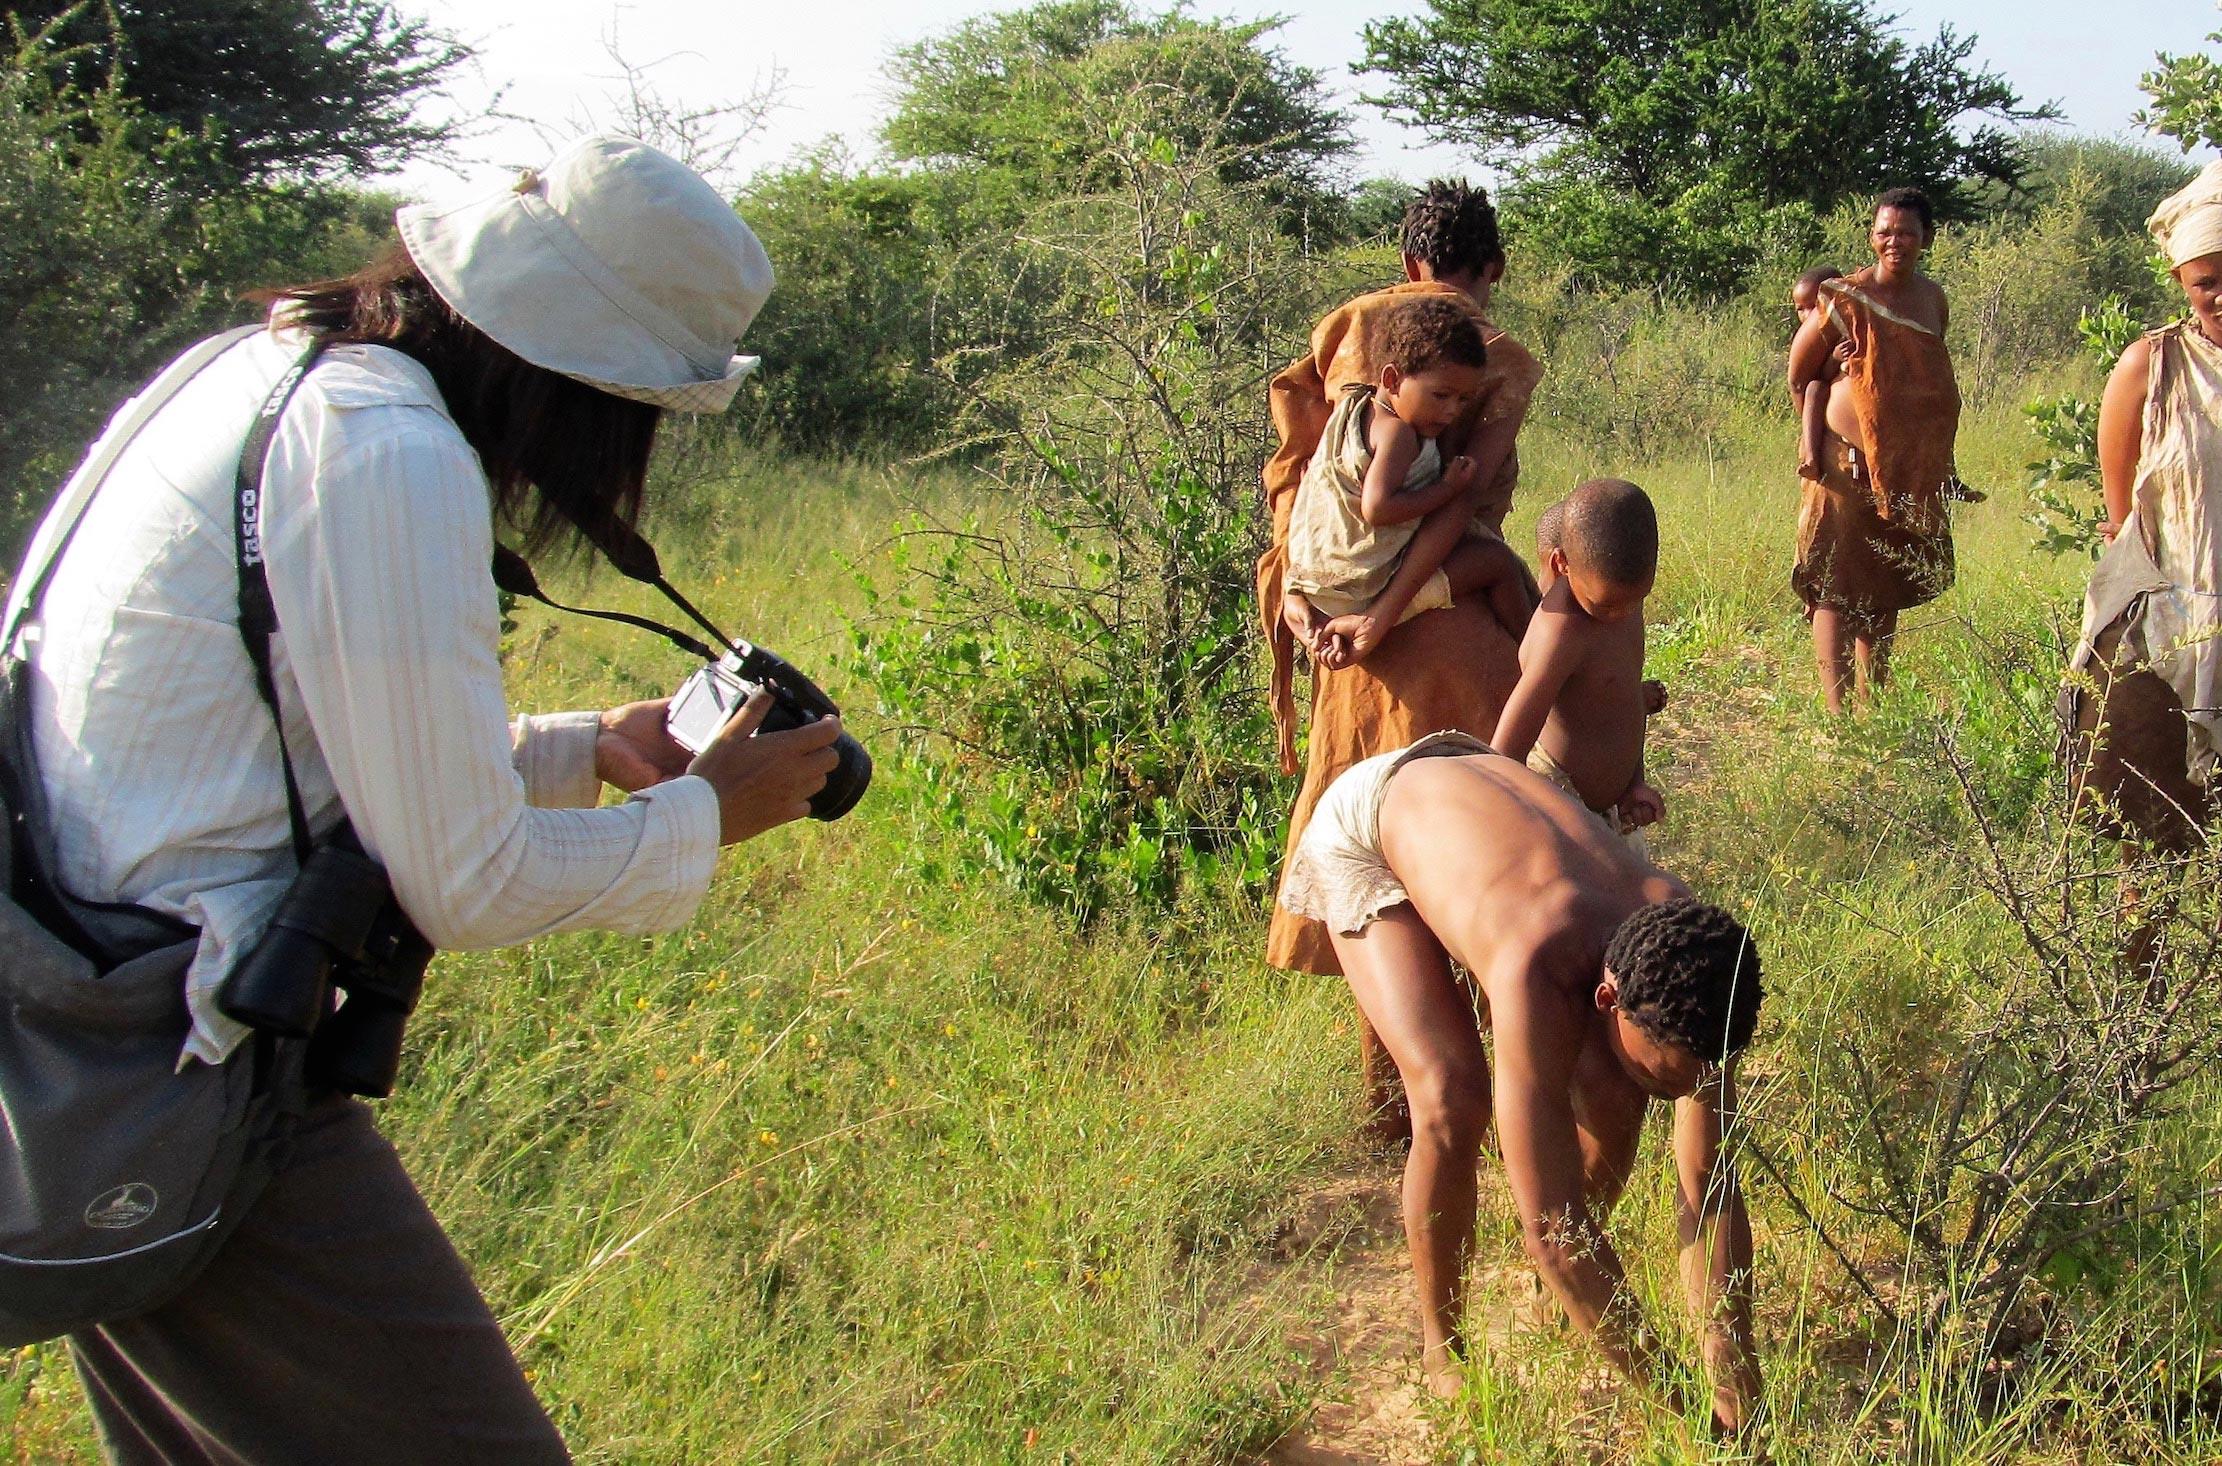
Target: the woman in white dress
pixel 2147 702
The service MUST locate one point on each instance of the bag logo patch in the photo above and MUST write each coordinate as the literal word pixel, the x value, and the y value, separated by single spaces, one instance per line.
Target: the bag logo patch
pixel 126 1206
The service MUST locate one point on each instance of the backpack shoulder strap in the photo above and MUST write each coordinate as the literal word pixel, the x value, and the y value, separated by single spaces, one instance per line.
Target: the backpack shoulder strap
pixel 69 506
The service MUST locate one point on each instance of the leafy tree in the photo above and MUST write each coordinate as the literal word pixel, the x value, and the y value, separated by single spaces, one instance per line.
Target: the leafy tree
pixel 1679 139
pixel 1022 96
pixel 315 88
pixel 848 331
pixel 898 294
pixel 114 251
pixel 2118 183
pixel 2187 98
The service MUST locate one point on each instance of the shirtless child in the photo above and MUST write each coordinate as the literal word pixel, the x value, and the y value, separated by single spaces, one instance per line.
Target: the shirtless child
pixel 1577 716
pixel 1604 985
pixel 1813 398
pixel 1382 528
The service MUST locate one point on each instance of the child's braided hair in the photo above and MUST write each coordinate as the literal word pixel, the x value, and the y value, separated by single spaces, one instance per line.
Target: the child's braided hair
pixel 1689 976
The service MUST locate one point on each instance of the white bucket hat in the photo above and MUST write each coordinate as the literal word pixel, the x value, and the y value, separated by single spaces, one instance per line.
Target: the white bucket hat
pixel 614 265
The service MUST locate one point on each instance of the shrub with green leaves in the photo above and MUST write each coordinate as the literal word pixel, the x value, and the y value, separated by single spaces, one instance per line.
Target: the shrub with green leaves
pixel 116 247
pixel 1079 666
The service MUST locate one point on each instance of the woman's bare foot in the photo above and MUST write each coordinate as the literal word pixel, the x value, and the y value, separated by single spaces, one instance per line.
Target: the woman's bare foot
pixel 1445 1371
pixel 1809 467
pixel 1362 630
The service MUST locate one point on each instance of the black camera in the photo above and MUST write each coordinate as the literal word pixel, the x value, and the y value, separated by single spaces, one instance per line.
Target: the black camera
pixel 339 928
pixel 706 700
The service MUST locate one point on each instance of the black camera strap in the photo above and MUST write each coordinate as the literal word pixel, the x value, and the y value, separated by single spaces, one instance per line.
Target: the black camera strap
pixel 258 613
pixel 513 573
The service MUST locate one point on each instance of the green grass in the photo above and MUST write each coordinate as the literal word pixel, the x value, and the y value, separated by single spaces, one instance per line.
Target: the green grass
pixel 866 1165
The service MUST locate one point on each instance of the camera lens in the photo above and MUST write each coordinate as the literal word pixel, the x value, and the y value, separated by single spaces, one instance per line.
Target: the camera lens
pixel 846 784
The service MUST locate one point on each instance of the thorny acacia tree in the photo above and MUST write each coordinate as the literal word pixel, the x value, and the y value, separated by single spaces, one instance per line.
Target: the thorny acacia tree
pixel 293 88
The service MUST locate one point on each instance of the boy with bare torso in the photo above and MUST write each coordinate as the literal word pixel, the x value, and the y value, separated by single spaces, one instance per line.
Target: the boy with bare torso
pixel 1577 716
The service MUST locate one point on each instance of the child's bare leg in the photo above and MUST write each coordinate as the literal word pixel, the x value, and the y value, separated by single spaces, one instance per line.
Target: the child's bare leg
pixel 1488 567
pixel 1813 419
pixel 1431 544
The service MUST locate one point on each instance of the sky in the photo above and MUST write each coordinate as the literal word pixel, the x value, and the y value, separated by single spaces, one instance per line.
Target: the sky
pixel 548 61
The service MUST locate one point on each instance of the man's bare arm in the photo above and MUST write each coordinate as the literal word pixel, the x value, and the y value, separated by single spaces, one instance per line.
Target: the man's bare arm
pixel 1716 1248
pixel 1548 656
pixel 1535 1051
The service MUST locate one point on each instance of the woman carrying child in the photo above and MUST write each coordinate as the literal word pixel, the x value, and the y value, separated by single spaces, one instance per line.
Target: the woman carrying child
pixel 1874 536
pixel 1383 527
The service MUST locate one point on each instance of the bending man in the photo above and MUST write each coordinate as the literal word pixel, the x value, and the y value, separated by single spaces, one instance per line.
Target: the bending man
pixel 1605 987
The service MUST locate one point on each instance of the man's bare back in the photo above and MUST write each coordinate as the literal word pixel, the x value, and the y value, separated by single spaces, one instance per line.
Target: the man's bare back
pixel 1540 892
pixel 1503 872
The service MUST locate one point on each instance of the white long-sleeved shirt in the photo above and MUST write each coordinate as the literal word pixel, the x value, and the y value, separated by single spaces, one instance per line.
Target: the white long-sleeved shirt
pixel 161 763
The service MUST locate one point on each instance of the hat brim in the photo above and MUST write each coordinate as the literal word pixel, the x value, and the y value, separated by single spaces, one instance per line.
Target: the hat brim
pixel 543 304
pixel 688 397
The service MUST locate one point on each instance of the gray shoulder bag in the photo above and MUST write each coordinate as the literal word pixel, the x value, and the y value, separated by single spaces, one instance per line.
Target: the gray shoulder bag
pixel 120 1173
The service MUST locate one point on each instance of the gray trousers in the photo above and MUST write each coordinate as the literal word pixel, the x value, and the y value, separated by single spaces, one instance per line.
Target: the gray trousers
pixel 337 1325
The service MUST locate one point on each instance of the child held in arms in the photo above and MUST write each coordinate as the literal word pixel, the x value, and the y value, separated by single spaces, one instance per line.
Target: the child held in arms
pixel 1577 716
pixel 1382 528
pixel 1813 399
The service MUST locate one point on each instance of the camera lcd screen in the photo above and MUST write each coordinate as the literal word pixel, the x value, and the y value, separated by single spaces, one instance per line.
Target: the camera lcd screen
pixel 701 706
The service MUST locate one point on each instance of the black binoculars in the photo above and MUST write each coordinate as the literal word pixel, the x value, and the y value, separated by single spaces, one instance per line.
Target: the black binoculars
pixel 337 928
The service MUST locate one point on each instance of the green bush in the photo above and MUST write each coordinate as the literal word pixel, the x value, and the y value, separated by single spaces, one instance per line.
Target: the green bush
pixel 114 251
pixel 1080 669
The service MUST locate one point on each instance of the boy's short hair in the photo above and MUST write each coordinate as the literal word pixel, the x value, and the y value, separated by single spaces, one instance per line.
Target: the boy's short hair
pixel 1610 529
pixel 1909 198
pixel 1811 279
pixel 1550 531
pixel 1451 227
pixel 1689 976
pixel 1429 330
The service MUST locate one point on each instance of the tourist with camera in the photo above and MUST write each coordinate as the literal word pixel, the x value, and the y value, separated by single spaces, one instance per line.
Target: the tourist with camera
pixel 262 716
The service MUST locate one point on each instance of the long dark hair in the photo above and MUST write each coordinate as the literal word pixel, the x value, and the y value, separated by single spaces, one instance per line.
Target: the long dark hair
pixel 564 458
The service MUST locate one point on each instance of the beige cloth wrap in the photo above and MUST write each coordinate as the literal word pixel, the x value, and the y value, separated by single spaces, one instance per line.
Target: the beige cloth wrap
pixel 1337 874
pixel 1336 560
pixel 2188 224
pixel 2163 573
pixel 1550 768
